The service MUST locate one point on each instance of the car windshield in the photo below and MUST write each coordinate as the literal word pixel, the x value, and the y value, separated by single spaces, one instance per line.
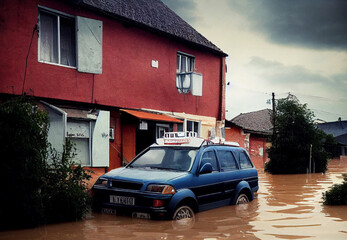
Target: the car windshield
pixel 176 159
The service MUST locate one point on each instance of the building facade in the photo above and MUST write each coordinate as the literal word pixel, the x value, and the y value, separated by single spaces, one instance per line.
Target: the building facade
pixel 252 131
pixel 338 130
pixel 113 75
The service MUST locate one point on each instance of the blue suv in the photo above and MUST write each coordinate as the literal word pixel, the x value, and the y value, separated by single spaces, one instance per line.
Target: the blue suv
pixel 177 177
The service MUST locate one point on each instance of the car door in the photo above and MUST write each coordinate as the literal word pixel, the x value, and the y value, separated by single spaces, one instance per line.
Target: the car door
pixel 208 187
pixel 230 175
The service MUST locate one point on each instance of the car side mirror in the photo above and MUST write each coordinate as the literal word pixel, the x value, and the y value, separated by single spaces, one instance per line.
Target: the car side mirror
pixel 206 168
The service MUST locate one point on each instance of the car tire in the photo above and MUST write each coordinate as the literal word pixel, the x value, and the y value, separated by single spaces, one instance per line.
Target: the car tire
pixel 183 212
pixel 242 199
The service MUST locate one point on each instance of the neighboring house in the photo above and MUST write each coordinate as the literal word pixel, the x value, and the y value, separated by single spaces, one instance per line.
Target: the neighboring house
pixel 252 131
pixel 113 75
pixel 339 130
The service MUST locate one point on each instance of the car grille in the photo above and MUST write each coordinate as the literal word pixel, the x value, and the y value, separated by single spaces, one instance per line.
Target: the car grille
pixel 126 185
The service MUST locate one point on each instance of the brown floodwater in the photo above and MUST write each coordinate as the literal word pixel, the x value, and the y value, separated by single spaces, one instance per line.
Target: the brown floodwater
pixel 287 207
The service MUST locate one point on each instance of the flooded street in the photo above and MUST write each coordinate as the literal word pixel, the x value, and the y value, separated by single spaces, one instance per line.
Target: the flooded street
pixel 287 207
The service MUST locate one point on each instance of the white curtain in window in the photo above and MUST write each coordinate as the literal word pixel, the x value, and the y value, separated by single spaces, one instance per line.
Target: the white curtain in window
pixel 48 38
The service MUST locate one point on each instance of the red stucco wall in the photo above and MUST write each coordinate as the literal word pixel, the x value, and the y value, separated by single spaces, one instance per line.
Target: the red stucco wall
pixel 250 142
pixel 127 81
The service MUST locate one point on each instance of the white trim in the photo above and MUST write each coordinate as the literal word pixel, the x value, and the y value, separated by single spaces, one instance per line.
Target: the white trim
pixel 58 14
pixel 185 54
pixel 56 64
pixel 60 111
pixel 50 10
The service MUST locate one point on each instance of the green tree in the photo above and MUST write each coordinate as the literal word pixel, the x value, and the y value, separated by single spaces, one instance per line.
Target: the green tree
pixel 295 139
pixel 23 151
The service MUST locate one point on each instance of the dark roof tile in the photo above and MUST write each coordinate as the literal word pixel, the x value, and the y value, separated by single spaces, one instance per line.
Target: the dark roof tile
pixel 257 122
pixel 155 15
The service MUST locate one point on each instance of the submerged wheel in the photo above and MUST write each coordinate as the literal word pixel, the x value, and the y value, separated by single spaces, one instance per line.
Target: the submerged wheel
pixel 242 199
pixel 183 212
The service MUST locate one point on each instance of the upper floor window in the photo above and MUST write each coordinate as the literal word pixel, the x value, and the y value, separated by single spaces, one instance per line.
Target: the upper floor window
pixel 185 64
pixel 57 38
pixel 68 40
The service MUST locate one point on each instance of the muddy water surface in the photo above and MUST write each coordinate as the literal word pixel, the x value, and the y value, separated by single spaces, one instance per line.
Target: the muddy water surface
pixel 287 207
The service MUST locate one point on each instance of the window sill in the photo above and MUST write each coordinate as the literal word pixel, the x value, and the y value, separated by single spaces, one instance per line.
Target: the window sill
pixel 57 64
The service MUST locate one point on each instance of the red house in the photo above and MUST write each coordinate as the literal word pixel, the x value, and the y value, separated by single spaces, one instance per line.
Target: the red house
pixel 251 130
pixel 113 75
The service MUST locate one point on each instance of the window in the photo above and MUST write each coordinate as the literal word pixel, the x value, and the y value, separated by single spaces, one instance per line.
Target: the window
pixel 87 129
pixel 72 41
pixel 210 157
pixel 193 127
pixel 57 38
pixel 227 161
pixel 161 129
pixel 185 64
pixel 244 161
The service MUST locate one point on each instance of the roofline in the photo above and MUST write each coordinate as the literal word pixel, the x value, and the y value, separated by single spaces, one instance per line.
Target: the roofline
pixel 250 130
pixel 134 23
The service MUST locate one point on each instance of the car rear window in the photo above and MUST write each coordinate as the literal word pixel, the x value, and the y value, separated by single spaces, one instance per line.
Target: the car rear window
pixel 245 162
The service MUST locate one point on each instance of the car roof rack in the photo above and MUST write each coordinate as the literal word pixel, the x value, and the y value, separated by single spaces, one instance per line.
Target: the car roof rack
pixel 189 139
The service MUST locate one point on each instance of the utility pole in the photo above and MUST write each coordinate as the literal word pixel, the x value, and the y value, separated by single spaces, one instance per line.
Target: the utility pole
pixel 273 116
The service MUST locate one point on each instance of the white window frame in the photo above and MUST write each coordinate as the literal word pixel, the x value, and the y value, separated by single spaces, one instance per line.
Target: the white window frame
pixel 58 14
pixel 188 57
pixel 158 126
pixel 192 127
pixel 90 131
pixel 184 76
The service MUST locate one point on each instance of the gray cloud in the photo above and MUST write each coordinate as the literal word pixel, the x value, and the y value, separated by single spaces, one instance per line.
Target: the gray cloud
pixel 185 9
pixel 277 73
pixel 318 24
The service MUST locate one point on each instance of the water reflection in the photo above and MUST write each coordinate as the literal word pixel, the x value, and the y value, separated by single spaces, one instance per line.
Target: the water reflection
pixel 287 207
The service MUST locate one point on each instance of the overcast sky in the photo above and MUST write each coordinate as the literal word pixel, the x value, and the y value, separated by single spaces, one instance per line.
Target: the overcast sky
pixel 280 46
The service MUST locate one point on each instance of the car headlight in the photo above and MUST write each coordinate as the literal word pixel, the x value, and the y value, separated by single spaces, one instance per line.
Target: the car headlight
pixel 101 182
pixel 161 188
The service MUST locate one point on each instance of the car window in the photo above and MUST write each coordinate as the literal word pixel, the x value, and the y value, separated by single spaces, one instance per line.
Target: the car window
pixel 210 157
pixel 227 161
pixel 166 158
pixel 245 162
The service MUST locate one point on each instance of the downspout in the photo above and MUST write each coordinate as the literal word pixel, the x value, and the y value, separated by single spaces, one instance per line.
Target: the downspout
pixel 222 91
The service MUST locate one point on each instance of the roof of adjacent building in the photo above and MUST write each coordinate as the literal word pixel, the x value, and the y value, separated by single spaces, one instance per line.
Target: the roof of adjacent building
pixel 335 128
pixel 153 15
pixel 255 122
pixel 338 129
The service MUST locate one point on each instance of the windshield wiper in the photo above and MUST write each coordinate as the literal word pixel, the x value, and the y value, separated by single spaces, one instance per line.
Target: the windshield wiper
pixel 164 168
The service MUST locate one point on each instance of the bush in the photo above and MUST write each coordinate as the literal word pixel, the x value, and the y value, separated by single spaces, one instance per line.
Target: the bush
pixel 65 191
pixel 337 195
pixel 34 191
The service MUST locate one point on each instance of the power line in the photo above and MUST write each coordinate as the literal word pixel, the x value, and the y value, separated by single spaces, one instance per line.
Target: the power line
pixel 336 114
pixel 342 100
